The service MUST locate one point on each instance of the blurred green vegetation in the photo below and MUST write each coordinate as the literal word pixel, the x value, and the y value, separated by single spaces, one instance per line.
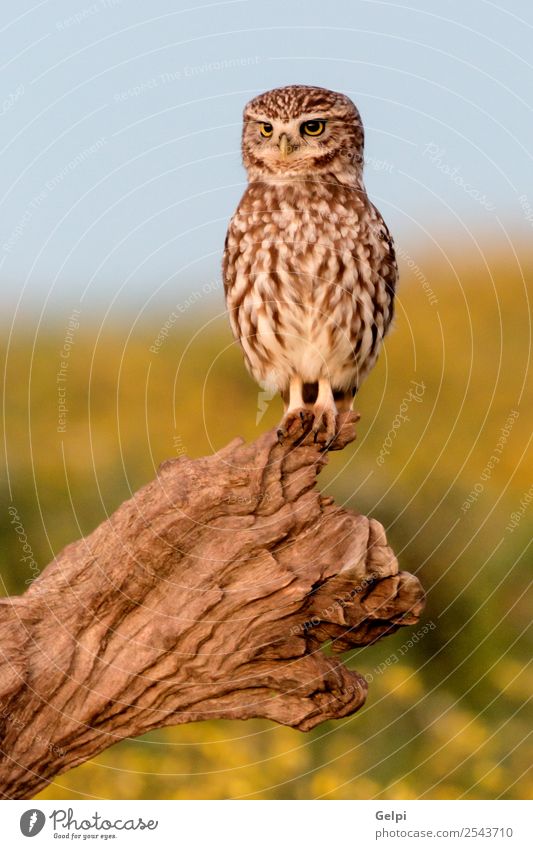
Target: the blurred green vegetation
pixel 448 719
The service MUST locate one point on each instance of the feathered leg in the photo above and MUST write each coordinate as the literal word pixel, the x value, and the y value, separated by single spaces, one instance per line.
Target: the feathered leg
pixel 295 409
pixel 325 411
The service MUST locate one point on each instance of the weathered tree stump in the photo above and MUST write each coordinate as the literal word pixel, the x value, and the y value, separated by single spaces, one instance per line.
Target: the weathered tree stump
pixel 207 595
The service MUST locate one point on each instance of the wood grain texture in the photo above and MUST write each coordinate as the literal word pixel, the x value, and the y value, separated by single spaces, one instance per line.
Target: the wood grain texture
pixel 207 595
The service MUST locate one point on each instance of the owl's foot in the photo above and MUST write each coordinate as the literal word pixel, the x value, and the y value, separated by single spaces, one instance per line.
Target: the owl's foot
pixel 343 432
pixel 295 423
pixel 325 423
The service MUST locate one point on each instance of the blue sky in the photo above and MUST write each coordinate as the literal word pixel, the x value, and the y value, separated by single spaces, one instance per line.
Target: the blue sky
pixel 121 130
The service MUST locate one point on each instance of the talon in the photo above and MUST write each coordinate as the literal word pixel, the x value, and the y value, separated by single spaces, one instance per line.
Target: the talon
pixel 325 423
pixel 294 424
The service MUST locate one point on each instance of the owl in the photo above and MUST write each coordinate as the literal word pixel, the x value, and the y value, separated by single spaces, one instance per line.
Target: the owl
pixel 309 265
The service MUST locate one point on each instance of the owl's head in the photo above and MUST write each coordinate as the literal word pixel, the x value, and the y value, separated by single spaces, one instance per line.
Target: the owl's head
pixel 302 131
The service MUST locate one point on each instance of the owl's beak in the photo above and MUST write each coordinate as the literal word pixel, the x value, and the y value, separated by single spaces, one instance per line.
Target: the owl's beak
pixel 284 145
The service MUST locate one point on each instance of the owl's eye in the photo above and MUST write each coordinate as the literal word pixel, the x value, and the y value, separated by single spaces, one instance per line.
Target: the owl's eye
pixel 266 130
pixel 312 128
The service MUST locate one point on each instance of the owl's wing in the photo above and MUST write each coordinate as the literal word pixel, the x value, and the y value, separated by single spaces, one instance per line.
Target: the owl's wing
pixel 388 269
pixel 228 267
pixel 229 276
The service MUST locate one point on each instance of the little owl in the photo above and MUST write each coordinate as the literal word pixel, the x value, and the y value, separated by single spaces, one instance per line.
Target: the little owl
pixel 309 266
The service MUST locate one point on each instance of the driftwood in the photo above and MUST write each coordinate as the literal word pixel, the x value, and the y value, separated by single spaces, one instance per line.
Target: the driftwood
pixel 207 595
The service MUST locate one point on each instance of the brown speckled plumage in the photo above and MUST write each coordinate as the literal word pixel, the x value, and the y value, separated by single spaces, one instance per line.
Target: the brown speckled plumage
pixel 309 265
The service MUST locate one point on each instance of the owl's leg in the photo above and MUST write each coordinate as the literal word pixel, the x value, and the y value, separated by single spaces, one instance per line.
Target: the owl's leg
pixel 344 400
pixel 295 409
pixel 325 411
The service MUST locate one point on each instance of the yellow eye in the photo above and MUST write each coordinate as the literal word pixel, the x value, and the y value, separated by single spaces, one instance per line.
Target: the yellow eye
pixel 312 128
pixel 266 130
